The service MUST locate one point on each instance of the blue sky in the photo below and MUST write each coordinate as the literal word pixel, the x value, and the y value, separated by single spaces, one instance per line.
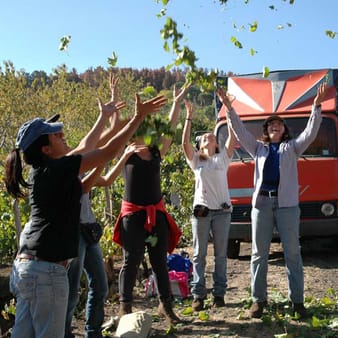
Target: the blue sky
pixel 30 32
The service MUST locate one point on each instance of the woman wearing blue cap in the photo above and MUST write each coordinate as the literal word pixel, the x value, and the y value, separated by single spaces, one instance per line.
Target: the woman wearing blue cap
pixel 39 276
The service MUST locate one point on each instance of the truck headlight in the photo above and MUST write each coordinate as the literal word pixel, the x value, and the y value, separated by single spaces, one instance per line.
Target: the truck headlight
pixel 327 209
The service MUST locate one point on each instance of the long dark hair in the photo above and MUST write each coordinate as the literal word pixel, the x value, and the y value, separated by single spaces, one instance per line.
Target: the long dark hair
pixel 33 155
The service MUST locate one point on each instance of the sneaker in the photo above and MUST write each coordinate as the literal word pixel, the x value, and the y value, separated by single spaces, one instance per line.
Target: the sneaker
pixel 300 309
pixel 256 309
pixel 197 304
pixel 218 301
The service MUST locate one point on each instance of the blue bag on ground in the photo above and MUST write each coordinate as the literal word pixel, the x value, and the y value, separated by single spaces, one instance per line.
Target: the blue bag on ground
pixel 178 262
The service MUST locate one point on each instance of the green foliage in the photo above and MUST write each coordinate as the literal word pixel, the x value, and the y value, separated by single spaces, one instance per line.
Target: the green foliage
pixel 184 55
pixel 152 128
pixel 8 236
pixel 9 310
pixel 103 216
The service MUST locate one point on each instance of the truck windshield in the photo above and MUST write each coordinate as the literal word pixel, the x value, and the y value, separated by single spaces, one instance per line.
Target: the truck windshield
pixel 325 144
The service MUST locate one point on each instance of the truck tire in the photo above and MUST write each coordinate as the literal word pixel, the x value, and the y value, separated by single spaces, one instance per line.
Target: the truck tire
pixel 233 248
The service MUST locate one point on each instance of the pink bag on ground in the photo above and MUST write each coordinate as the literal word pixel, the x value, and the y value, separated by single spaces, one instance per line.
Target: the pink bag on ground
pixel 179 283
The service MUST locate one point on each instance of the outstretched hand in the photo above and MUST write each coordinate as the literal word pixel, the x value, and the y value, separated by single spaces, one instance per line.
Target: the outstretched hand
pixel 150 106
pixel 130 149
pixel 321 94
pixel 179 93
pixel 113 83
pixel 225 98
pixel 109 108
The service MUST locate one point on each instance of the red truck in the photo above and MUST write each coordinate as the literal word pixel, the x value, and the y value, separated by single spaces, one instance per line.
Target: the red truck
pixel 288 93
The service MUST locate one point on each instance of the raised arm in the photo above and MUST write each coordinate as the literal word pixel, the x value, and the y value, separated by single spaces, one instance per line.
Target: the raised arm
pixel 90 180
pixel 108 151
pixel 188 149
pixel 231 141
pixel 110 177
pixel 308 135
pixel 178 95
pixel 247 140
pixel 321 94
pixel 95 136
pixel 116 123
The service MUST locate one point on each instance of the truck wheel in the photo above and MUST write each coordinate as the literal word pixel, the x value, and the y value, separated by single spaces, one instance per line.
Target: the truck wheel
pixel 233 248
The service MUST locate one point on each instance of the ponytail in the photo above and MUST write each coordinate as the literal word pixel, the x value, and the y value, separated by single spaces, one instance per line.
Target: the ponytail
pixel 13 174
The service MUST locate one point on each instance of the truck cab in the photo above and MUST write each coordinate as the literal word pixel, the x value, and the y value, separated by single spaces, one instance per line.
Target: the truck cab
pixel 290 94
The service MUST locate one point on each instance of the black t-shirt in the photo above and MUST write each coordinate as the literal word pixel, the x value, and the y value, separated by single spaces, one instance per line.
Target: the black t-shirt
pixel 55 210
pixel 142 179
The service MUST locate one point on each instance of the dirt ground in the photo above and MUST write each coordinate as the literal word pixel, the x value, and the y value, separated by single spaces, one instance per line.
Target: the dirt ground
pixel 321 273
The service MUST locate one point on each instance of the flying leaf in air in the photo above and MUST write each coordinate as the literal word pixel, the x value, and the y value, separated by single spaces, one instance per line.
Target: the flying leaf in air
pixel 64 42
pixel 113 60
pixel 266 71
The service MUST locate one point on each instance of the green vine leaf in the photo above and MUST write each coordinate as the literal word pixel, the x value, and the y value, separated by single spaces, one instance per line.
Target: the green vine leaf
pixel 170 330
pixel 266 71
pixel 64 42
pixel 203 316
pixel 253 26
pixel 152 240
pixel 162 13
pixel 252 52
pixel 113 60
pixel 319 323
pixel 236 42
pixel 331 34
pixel 188 311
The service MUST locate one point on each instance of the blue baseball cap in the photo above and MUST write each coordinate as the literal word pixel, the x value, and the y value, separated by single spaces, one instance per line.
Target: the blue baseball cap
pixel 31 130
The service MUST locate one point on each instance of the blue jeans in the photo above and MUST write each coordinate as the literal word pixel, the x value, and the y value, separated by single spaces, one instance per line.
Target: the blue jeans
pixel 90 260
pixel 218 222
pixel 41 291
pixel 264 217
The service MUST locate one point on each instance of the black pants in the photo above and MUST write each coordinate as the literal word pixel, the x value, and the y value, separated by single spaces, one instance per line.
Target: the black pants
pixel 133 237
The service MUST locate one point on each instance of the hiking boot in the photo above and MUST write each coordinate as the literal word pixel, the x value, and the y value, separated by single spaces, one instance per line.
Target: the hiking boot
pixel 125 308
pixel 218 301
pixel 165 310
pixel 256 309
pixel 300 309
pixel 197 304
